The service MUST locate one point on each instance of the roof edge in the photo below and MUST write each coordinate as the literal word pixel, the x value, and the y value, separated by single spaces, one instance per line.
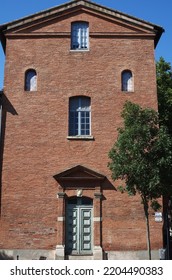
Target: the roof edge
pixel 90 4
pixel 71 4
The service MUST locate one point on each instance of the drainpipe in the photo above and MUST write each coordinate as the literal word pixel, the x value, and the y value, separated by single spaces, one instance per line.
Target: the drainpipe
pixel 168 237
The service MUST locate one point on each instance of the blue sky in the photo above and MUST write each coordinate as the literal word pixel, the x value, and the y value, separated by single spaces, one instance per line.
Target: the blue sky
pixel 155 11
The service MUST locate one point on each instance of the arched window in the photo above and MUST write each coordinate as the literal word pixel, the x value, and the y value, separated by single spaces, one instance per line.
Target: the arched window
pixel 79 35
pixel 79 116
pixel 127 80
pixel 31 80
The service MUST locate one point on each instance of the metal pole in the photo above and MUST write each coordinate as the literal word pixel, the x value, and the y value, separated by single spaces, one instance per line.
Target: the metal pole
pixel 168 237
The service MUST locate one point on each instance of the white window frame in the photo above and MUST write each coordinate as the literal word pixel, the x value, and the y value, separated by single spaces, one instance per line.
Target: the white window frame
pixel 80 36
pixel 77 112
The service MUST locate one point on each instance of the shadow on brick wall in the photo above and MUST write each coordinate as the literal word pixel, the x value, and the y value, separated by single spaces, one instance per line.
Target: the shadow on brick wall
pixel 7 108
pixel 4 256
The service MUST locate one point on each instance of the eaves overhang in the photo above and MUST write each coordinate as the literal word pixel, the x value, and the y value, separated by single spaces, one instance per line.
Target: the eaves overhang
pixel 1 93
pixel 2 37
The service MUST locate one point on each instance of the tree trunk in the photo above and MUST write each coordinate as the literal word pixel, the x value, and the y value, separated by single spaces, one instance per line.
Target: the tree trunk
pixel 146 207
pixel 148 236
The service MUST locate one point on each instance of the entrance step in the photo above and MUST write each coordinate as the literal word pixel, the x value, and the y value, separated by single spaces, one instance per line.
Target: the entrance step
pixel 79 257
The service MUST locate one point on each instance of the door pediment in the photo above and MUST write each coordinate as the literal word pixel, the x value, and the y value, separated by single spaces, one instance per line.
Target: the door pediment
pixel 79 174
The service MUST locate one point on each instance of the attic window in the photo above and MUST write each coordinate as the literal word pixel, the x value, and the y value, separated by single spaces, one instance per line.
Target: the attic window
pixel 79 36
pixel 30 80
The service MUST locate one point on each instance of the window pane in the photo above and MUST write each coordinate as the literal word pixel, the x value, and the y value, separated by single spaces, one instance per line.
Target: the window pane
pixel 87 120
pixel 83 116
pixel 73 123
pixel 74 104
pixel 85 103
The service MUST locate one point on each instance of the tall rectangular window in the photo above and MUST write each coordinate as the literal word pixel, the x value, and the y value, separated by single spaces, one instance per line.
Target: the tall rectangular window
pixel 79 116
pixel 79 36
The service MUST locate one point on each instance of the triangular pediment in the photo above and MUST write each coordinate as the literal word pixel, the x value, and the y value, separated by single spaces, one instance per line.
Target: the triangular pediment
pixel 59 24
pixel 79 173
pixel 52 21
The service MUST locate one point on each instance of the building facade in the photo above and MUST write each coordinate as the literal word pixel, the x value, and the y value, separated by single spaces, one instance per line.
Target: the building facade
pixel 68 72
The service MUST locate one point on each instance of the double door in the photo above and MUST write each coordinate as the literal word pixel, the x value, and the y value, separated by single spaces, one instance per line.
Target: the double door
pixel 78 229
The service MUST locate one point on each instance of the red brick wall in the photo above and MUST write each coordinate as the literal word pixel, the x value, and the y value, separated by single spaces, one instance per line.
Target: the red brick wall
pixel 36 129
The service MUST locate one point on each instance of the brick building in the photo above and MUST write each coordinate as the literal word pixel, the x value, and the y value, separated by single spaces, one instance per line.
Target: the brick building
pixel 68 72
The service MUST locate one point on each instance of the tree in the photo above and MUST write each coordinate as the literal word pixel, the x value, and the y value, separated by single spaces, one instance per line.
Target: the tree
pixel 141 153
pixel 164 90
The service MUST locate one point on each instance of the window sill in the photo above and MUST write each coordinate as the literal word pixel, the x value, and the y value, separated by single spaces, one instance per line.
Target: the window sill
pixel 127 91
pixel 80 137
pixel 79 50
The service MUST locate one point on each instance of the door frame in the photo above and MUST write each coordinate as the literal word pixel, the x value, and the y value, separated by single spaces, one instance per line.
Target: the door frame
pixel 79 181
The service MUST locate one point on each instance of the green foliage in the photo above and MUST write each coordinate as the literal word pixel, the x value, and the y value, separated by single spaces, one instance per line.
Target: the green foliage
pixel 142 153
pixel 164 90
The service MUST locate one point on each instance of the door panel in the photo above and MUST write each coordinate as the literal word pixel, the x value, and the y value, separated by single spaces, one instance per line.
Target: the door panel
pixel 78 229
pixel 86 221
pixel 72 229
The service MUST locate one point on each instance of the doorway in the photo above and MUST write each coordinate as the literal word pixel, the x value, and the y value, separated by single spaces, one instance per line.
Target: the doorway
pixel 79 223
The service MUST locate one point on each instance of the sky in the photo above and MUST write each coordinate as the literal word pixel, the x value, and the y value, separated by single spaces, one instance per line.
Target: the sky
pixel 158 12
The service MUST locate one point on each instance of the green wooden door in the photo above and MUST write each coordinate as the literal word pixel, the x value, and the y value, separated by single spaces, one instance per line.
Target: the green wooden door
pixel 79 229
